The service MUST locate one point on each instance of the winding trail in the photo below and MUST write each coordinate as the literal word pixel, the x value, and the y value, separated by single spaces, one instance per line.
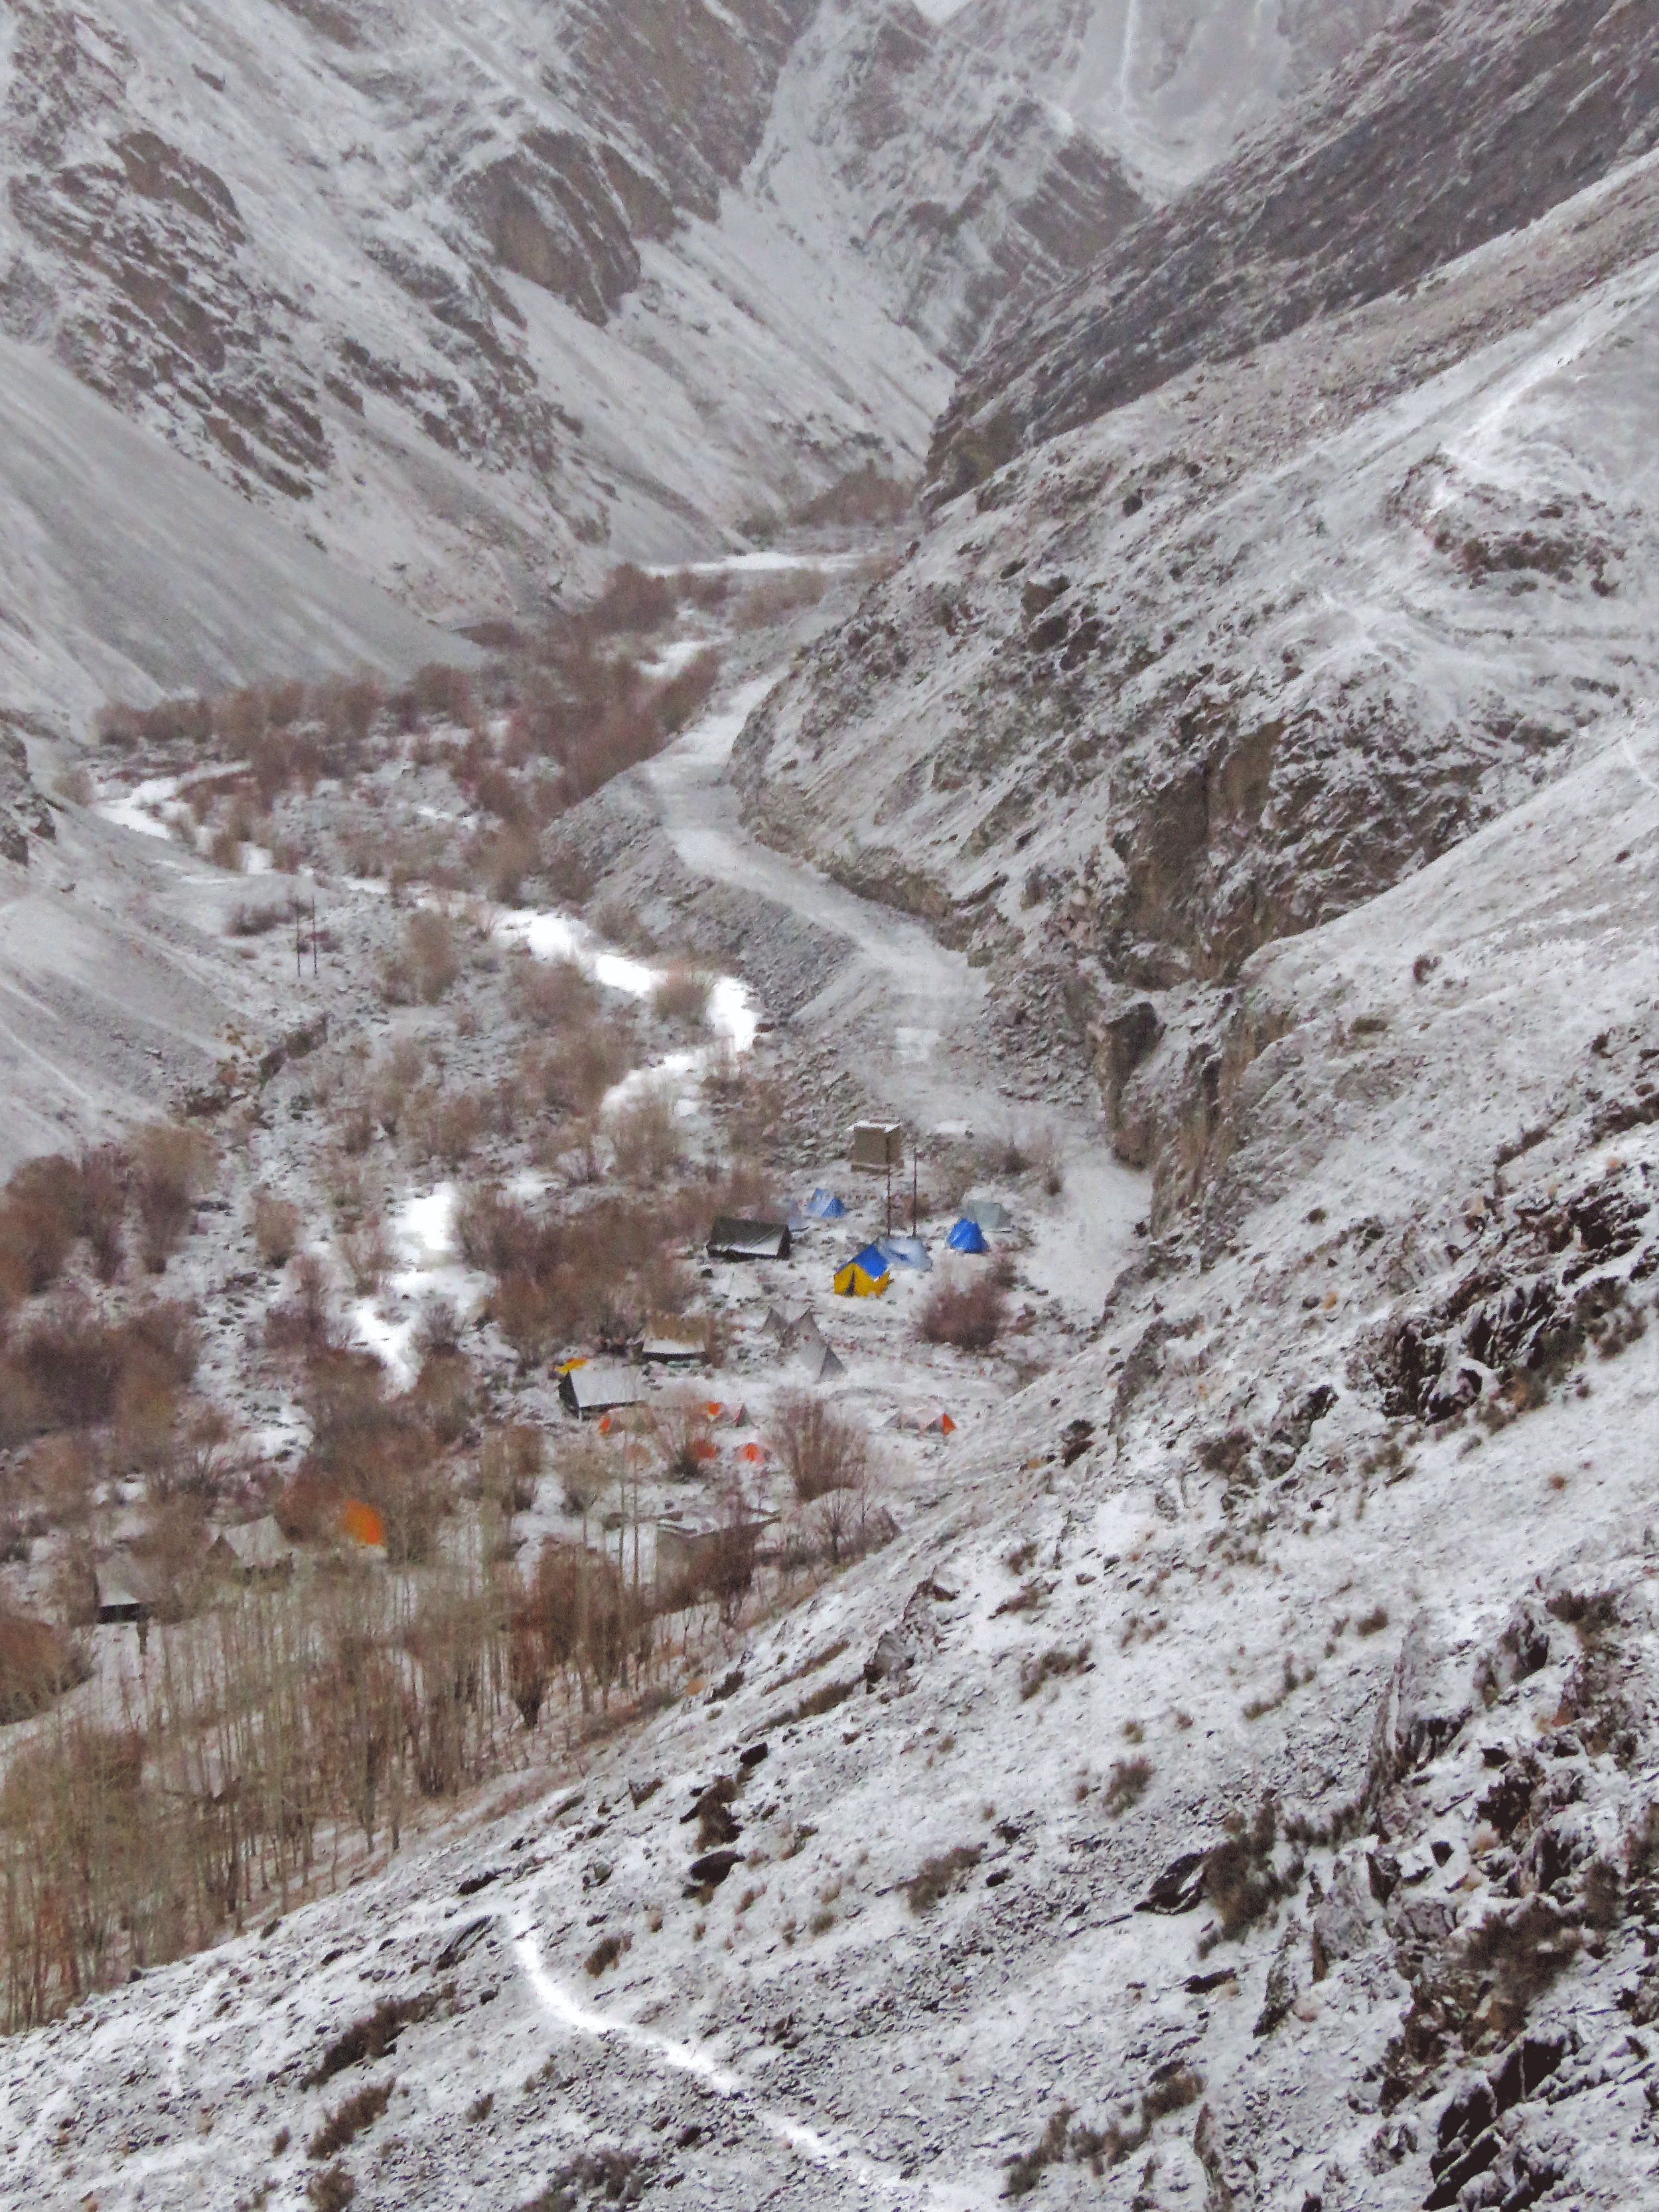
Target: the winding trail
pixel 868 2175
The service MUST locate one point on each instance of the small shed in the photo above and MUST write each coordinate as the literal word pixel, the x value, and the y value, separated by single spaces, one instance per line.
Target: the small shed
pixel 671 1342
pixel 125 1589
pixel 257 1548
pixel 694 1555
pixel 731 1238
pixel 877 1144
pixel 595 1389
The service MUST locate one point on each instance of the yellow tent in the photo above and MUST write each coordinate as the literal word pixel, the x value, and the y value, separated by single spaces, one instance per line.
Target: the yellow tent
pixel 865 1276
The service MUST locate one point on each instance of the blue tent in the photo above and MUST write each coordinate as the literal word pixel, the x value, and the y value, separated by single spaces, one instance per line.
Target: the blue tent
pixel 824 1205
pixel 905 1252
pixel 967 1236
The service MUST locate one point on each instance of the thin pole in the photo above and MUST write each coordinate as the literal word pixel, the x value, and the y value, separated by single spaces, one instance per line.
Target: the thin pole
pixel 915 1173
pixel 313 937
pixel 890 1190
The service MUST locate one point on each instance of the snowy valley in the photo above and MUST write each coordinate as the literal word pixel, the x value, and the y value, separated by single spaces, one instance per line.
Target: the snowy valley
pixel 590 598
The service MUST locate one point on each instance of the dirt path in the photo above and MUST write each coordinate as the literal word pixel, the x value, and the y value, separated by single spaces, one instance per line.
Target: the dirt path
pixel 908 1013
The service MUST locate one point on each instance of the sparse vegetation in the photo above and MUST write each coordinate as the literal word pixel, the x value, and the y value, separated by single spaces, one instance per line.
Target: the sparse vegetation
pixel 938 1876
pixel 347 2121
pixel 970 1315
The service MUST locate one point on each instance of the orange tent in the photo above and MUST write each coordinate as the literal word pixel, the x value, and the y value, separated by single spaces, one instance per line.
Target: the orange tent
pixel 363 1523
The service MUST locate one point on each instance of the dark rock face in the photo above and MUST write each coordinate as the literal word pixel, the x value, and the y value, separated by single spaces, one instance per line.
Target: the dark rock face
pixel 1448 129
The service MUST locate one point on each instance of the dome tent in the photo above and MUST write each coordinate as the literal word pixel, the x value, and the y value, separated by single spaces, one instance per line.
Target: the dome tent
pixel 866 1275
pixel 967 1236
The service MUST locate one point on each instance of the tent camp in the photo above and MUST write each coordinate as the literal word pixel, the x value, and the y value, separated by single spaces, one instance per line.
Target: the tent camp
pixel 591 1388
pixel 967 1236
pixel 905 1252
pixel 989 1213
pixel 866 1275
pixel 824 1205
pixel 733 1239
pixel 878 1144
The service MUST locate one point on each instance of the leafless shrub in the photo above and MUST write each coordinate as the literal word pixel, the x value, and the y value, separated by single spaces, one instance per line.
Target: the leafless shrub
pixel 427 963
pixel 1372 1623
pixel 936 1877
pixel 1127 1782
pixel 248 920
pixel 631 600
pixel 605 1954
pixel 510 1466
pixel 347 2121
pixel 37 1663
pixel 275 1228
pixel 969 1316
pixel 171 1165
pixel 1034 1671
pixel 331 2190
pixel 644 1134
pixel 371 2035
pixel 820 1451
pixel 681 995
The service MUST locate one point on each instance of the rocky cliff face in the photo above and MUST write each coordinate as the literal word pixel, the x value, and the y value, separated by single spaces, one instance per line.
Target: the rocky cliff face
pixel 1232 657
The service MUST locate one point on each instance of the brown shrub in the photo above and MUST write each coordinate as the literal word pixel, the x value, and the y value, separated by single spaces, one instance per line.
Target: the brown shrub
pixel 681 995
pixel 331 2190
pixel 937 1877
pixel 969 1316
pixel 347 2121
pixel 66 1373
pixel 555 993
pixel 275 1228
pixel 443 694
pixel 820 1452
pixel 433 957
pixel 644 1134
pixel 631 601
pixel 510 1467
pixel 37 1662
pixel 171 1165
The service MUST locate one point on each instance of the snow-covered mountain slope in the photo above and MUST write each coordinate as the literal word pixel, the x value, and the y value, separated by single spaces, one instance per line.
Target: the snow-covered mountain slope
pixel 1235 1787
pixel 1170 85
pixel 490 300
pixel 1241 654
pixel 125 573
pixel 1452 127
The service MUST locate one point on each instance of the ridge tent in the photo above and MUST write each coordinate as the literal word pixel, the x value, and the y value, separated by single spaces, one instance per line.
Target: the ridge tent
pixel 866 1275
pixel 989 1213
pixel 825 1369
pixel 967 1236
pixel 905 1252
pixel 731 1238
pixel 824 1205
